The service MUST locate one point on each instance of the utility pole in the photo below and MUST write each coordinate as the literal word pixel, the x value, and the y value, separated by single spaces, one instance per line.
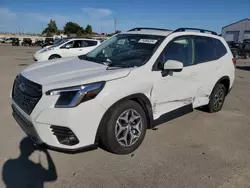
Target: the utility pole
pixel 22 30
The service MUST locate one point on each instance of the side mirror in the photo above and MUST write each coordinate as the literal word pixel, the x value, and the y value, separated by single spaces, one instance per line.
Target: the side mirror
pixel 68 46
pixel 173 65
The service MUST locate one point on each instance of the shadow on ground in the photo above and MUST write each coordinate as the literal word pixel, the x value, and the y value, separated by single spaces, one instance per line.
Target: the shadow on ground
pixel 246 68
pixel 24 173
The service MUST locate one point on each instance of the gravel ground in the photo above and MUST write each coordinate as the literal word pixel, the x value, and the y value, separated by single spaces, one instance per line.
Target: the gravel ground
pixel 198 150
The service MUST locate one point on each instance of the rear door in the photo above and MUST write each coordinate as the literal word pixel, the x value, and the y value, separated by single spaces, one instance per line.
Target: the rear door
pixel 208 55
pixel 86 46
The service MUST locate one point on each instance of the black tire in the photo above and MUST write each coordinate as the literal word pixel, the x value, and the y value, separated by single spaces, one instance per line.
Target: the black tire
pixel 219 90
pixel 108 133
pixel 54 57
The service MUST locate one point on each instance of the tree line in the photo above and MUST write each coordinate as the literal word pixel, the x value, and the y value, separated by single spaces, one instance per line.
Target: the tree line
pixel 69 28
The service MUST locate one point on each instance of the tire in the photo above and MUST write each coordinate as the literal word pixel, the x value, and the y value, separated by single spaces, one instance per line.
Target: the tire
pixel 112 131
pixel 215 104
pixel 54 57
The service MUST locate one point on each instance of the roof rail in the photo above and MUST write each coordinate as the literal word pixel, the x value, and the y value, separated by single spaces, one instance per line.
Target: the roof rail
pixel 148 28
pixel 194 29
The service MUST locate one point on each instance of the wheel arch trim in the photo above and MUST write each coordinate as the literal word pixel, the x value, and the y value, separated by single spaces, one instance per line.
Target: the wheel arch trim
pixel 140 98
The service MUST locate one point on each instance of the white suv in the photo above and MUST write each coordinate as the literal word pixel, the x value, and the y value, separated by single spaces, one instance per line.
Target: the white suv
pixel 66 48
pixel 131 82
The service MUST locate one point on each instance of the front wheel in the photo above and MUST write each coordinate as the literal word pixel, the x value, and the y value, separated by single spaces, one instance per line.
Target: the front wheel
pixel 217 98
pixel 54 57
pixel 125 128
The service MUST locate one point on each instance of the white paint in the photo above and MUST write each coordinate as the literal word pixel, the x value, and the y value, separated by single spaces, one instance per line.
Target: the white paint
pixel 147 41
pixel 173 65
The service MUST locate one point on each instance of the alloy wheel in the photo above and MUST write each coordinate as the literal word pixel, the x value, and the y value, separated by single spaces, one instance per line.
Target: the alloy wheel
pixel 128 127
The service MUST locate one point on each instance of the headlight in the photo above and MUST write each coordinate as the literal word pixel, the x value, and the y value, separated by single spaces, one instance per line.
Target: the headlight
pixel 73 96
pixel 43 50
pixel 46 49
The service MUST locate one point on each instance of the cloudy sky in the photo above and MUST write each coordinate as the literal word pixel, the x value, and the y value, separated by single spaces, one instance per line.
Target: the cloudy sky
pixel 33 15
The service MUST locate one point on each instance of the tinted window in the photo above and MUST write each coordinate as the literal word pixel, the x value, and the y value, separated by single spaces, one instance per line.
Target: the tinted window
pixel 208 49
pixel 205 49
pixel 90 43
pixel 179 49
pixel 220 49
pixel 78 44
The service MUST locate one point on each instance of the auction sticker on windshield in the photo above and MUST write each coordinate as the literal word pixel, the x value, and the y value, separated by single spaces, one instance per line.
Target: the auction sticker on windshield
pixel 147 41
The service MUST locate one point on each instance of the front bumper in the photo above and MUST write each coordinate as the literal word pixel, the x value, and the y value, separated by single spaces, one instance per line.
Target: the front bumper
pixel 39 57
pixel 83 120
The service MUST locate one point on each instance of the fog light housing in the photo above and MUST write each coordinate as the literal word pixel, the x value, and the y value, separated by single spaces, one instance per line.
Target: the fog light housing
pixel 64 135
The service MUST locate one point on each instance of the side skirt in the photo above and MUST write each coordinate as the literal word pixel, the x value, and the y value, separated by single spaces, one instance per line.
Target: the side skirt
pixel 173 115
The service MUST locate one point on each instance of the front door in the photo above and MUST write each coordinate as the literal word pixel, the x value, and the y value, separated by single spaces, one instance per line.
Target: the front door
pixel 175 89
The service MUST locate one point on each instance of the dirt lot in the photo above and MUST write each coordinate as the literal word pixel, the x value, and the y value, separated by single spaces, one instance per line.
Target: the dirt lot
pixel 198 150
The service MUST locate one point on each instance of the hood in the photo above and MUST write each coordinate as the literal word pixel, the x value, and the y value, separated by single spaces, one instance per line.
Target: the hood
pixel 72 71
pixel 42 49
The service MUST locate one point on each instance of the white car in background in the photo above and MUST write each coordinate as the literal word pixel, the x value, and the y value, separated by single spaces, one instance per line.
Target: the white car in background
pixel 66 48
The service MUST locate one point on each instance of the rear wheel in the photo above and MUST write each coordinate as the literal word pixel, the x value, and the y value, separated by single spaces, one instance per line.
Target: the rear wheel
pixel 125 128
pixel 54 57
pixel 217 98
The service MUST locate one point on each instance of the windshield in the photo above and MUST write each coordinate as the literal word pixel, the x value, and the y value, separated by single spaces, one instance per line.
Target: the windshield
pixel 125 50
pixel 59 42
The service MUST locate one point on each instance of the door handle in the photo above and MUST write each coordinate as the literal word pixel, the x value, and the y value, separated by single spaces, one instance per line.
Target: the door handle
pixel 80 50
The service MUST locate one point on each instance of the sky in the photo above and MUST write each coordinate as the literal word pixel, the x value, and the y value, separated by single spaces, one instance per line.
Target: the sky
pixel 32 16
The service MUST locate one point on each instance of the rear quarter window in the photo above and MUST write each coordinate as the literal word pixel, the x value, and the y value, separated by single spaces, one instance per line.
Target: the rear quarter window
pixel 220 48
pixel 90 43
pixel 208 49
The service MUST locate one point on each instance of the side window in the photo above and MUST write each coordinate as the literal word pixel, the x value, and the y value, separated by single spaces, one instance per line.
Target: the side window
pixel 90 43
pixel 68 43
pixel 220 49
pixel 205 49
pixel 179 49
pixel 77 44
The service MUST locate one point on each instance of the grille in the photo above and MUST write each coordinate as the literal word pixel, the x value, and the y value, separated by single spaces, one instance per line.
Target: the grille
pixel 26 94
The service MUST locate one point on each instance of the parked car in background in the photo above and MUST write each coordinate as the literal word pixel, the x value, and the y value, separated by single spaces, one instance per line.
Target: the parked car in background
pixel 66 48
pixel 246 41
pixel 38 42
pixel 235 48
pixel 48 42
pixel 2 39
pixel 127 84
pixel 246 48
pixel 16 42
pixel 27 42
pixel 240 50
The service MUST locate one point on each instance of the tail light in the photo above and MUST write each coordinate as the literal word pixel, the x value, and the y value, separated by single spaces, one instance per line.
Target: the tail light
pixel 234 61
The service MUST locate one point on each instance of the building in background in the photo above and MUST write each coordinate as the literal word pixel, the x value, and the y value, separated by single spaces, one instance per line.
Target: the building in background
pixel 237 31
